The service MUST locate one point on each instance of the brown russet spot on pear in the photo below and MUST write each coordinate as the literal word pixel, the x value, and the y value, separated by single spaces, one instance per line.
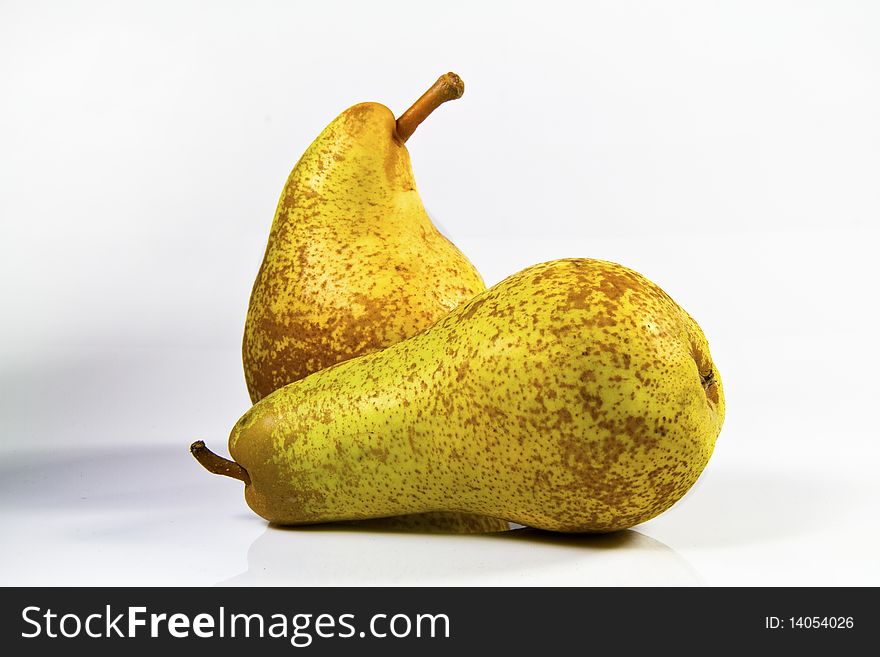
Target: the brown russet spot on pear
pixel 353 263
pixel 463 420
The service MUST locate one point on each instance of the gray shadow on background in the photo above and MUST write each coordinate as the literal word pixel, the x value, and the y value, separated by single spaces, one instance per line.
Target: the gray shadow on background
pixel 119 400
pixel 100 479
pixel 732 508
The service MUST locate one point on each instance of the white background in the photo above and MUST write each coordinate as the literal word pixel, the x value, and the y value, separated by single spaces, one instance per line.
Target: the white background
pixel 730 151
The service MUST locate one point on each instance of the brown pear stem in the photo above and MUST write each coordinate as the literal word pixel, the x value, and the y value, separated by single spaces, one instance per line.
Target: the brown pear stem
pixel 217 464
pixel 447 87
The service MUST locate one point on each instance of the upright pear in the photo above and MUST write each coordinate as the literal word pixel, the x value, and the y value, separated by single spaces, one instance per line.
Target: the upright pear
pixel 353 263
pixel 574 396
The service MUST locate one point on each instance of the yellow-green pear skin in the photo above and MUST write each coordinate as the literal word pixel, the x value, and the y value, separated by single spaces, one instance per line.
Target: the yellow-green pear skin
pixel 574 396
pixel 353 263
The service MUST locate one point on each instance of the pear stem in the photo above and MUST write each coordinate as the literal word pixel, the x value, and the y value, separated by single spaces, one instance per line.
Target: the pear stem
pixel 217 464
pixel 447 87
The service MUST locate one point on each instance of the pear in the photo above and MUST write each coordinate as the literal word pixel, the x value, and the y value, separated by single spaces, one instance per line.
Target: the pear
pixel 574 396
pixel 353 263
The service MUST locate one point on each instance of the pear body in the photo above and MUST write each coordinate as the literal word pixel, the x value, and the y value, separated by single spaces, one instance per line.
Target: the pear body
pixel 573 396
pixel 353 262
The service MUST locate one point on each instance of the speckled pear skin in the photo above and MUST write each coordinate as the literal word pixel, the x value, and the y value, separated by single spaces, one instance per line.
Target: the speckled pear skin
pixel 574 396
pixel 353 263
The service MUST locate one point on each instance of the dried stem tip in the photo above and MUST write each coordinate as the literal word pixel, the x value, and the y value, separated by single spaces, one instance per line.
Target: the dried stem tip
pixel 217 464
pixel 447 87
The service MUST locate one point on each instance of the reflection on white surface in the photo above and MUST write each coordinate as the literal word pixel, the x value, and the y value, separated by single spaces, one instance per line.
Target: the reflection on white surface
pixel 330 556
